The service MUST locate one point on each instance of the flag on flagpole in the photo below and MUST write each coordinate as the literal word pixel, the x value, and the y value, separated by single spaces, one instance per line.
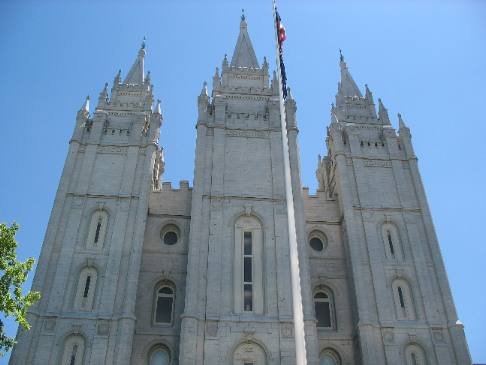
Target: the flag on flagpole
pixel 281 37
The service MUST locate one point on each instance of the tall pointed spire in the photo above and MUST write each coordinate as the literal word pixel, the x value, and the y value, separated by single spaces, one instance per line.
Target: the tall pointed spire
pixel 347 86
pixel 244 54
pixel 136 74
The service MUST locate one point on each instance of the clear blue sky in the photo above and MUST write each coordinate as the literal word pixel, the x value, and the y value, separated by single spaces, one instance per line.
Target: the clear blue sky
pixel 424 59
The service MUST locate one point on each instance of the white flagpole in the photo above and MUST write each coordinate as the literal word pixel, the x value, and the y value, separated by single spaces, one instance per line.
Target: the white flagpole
pixel 299 333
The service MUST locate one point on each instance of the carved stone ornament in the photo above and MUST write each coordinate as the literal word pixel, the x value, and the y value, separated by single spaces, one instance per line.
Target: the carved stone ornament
pixel 103 327
pixel 212 328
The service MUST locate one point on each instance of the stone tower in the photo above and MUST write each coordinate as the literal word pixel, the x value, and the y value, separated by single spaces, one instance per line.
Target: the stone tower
pixel 89 264
pixel 134 271
pixel 403 308
pixel 238 298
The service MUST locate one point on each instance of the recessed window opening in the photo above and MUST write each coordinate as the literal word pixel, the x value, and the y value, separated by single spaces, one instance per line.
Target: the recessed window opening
pixel 316 244
pixel 86 286
pixel 415 355
pixel 414 359
pixel 329 357
pixel 317 241
pixel 248 271
pixel 98 228
pixel 400 296
pixel 322 306
pixel 164 305
pixel 73 354
pixel 73 351
pixel 160 356
pixel 170 238
pixel 390 243
pixel 170 234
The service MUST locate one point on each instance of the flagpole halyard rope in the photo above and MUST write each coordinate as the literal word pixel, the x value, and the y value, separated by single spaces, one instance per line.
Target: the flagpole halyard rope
pixel 299 333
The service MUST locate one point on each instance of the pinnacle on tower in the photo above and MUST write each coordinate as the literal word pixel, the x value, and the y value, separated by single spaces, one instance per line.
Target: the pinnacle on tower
pixel 117 79
pixel 368 95
pixel 204 90
pixel 103 98
pixel 85 108
pixel 225 62
pixel 347 86
pixel 383 113
pixel 158 108
pixel 136 74
pixel 216 79
pixel 244 54
pixel 401 123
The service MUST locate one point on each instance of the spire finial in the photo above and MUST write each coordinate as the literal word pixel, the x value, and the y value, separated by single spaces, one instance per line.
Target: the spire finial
pixel 143 42
pixel 243 15
pixel 341 57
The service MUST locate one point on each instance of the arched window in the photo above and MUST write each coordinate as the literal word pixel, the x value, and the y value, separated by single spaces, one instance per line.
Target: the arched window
pixel 318 241
pixel 324 308
pixel 415 355
pixel 391 241
pixel 248 288
pixel 329 357
pixel 160 355
pixel 164 303
pixel 86 289
pixel 73 351
pixel 402 296
pixel 97 229
pixel 249 353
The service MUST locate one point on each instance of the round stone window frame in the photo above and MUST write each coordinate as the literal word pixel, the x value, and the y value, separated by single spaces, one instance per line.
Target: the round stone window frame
pixel 167 229
pixel 320 236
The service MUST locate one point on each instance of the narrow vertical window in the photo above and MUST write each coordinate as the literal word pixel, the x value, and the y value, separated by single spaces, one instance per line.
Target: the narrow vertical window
pixel 85 289
pixel 86 286
pixel 248 271
pixel 164 304
pixel 323 309
pixel 248 266
pixel 73 351
pixel 73 355
pixel 403 298
pixel 390 243
pixel 415 355
pixel 414 359
pixel 400 297
pixel 98 228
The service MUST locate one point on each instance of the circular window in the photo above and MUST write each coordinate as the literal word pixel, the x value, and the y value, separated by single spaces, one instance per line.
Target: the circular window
pixel 170 238
pixel 316 244
pixel 170 234
pixel 318 241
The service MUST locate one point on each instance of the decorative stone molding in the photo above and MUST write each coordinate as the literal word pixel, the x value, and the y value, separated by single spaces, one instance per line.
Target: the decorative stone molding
pixel 246 133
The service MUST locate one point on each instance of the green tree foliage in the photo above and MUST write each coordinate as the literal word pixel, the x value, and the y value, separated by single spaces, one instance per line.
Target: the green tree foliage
pixel 13 274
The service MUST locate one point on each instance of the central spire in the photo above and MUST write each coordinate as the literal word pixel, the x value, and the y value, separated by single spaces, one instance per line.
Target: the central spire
pixel 244 55
pixel 347 86
pixel 136 74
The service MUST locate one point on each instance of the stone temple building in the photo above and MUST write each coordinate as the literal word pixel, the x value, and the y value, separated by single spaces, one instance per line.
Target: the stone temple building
pixel 136 271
